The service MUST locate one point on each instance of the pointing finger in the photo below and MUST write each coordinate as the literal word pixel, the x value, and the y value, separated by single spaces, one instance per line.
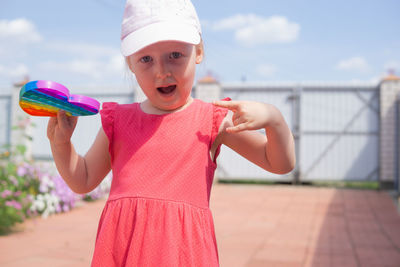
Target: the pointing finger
pixel 232 105
pixel 237 128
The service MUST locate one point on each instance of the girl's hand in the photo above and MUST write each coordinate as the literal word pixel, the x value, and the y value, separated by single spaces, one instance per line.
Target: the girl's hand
pixel 249 115
pixel 60 128
pixel 273 151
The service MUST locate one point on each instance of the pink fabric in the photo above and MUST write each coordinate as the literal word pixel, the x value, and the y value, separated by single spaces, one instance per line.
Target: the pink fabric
pixel 158 211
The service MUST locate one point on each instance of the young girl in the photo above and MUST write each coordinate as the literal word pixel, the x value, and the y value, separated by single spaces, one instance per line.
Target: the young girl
pixel 163 151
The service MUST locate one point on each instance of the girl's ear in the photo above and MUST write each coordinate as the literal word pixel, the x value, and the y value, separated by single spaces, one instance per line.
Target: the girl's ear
pixel 128 63
pixel 199 52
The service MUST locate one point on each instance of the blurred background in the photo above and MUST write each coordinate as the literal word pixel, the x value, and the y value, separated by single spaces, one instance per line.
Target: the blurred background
pixel 331 67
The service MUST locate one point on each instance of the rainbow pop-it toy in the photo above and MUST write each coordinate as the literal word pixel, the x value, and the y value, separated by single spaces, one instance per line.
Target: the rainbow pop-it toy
pixel 46 98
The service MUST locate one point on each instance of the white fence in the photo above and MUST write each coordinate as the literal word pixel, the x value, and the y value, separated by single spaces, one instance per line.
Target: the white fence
pixel 5 119
pixel 337 129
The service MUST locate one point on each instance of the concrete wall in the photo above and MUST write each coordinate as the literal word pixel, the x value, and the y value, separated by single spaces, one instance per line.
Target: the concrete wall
pixel 389 91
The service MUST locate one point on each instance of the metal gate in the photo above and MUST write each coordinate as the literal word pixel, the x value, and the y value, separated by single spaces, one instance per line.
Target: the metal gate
pixel 336 130
pixel 5 119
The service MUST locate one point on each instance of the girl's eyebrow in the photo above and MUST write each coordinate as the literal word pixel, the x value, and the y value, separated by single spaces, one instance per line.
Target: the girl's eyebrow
pixel 138 56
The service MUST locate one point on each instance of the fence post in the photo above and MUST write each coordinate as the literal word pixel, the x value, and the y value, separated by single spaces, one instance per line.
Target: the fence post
pixel 20 118
pixel 208 89
pixel 296 117
pixel 397 147
pixel 388 92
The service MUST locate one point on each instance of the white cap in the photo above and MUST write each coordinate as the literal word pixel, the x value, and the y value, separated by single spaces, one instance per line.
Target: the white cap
pixel 147 22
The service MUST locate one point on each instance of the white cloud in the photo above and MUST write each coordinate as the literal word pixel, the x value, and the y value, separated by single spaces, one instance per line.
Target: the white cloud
pixel 354 64
pixel 89 68
pixel 85 50
pixel 234 22
pixel 13 72
pixel 85 61
pixel 19 31
pixel 252 30
pixel 117 63
pixel 20 41
pixel 266 70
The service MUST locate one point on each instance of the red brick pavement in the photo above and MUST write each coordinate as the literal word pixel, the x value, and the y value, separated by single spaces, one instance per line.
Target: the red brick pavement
pixel 255 225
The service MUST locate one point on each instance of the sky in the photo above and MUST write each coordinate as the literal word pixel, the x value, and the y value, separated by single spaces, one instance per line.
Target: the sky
pixel 77 42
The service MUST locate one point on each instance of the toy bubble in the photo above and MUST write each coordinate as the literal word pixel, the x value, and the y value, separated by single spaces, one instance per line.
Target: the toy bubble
pixel 46 98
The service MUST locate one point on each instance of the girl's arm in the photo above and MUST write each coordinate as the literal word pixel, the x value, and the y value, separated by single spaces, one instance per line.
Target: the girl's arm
pixel 82 174
pixel 273 152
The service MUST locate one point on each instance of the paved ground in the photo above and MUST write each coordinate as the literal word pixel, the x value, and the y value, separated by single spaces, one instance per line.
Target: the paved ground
pixel 255 226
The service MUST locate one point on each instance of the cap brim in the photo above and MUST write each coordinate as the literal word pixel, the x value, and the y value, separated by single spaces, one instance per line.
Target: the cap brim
pixel 158 32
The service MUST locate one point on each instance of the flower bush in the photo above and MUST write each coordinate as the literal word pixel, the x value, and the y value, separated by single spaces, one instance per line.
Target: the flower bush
pixel 28 188
pixel 53 196
pixel 16 193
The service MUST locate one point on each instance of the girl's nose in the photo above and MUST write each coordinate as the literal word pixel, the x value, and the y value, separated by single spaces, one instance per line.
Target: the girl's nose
pixel 162 70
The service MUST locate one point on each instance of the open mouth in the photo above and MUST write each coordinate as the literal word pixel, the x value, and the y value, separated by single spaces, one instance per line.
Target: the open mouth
pixel 167 89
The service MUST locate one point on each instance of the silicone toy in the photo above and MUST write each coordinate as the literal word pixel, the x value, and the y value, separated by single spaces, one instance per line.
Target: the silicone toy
pixel 45 98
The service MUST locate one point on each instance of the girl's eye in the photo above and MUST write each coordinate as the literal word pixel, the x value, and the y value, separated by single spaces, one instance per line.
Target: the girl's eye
pixel 146 59
pixel 175 55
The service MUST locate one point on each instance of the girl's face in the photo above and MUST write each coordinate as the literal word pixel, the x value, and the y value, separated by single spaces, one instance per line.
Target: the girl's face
pixel 165 71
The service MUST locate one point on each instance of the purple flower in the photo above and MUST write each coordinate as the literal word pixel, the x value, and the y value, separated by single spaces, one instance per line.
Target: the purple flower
pixel 21 171
pixel 6 193
pixel 31 170
pixel 14 204
pixel 43 188
pixel 58 208
pixel 65 208
pixel 66 196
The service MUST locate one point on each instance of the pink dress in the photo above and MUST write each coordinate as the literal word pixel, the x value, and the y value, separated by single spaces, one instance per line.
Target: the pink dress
pixel 157 213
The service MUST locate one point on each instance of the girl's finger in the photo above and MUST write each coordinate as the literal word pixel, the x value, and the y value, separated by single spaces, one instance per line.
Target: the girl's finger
pixel 72 120
pixel 236 118
pixel 232 105
pixel 238 128
pixel 51 125
pixel 66 122
pixel 62 119
pixel 52 121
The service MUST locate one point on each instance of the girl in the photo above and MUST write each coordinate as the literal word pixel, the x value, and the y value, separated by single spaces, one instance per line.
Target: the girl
pixel 163 151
